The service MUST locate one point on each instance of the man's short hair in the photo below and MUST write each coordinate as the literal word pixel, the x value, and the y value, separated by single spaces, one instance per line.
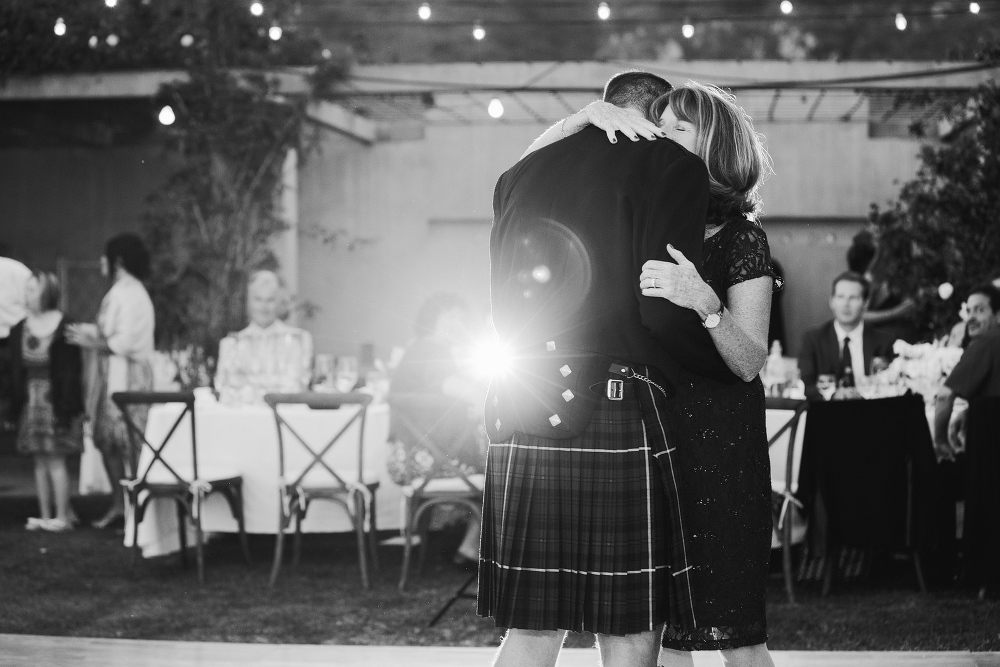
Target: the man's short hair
pixel 991 293
pixel 635 89
pixel 852 277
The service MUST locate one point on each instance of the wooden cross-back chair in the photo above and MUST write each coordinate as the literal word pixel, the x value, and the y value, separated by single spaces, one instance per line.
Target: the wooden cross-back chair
pixel 184 482
pixel 438 424
pixel 352 488
pixel 784 501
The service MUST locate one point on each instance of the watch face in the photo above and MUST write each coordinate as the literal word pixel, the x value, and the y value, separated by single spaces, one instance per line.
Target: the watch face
pixel 712 321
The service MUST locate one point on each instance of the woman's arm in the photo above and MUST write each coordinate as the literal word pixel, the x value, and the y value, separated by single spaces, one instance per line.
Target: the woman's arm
pixel 741 336
pixel 604 115
pixel 903 310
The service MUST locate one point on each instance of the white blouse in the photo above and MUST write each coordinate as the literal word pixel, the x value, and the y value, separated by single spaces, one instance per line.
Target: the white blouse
pixel 126 321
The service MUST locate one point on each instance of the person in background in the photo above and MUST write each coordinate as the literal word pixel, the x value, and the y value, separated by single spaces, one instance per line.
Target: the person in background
pixel 47 378
pixel 13 278
pixel 776 318
pixel 960 335
pixel 432 365
pixel 977 372
pixel 123 341
pixel 844 347
pixel 887 311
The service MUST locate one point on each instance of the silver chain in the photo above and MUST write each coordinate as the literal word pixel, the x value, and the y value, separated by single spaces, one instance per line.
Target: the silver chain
pixel 648 381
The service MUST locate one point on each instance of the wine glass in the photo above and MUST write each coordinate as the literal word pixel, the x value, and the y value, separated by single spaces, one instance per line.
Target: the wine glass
pixel 346 373
pixel 826 383
pixel 323 373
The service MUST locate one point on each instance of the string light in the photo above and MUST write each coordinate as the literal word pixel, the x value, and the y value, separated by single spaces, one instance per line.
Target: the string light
pixel 786 7
pixel 110 4
pixel 167 116
pixel 256 9
pixel 603 11
pixel 187 40
pixel 60 27
pixel 687 30
pixel 900 21
pixel 112 40
pixel 92 41
pixel 478 33
pixel 274 33
pixel 424 12
pixel 327 53
pixel 495 108
pixel 974 7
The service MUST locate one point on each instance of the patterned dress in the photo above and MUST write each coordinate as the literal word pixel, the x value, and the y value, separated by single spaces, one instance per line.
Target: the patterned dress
pixel 724 472
pixel 39 432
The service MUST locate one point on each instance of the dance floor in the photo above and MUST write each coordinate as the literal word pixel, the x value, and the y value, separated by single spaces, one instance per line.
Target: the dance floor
pixel 32 650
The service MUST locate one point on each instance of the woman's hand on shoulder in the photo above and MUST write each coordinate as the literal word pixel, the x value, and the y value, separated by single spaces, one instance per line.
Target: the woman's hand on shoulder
pixel 679 283
pixel 612 119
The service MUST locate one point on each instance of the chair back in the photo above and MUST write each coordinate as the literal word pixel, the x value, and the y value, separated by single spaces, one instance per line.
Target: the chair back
pixel 785 432
pixel 318 459
pixel 437 423
pixel 128 400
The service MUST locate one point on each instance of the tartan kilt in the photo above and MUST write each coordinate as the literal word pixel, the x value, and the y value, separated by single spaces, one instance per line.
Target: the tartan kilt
pixel 577 532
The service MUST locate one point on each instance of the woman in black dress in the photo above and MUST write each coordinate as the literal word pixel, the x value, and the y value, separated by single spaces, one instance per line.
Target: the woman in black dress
pixel 719 428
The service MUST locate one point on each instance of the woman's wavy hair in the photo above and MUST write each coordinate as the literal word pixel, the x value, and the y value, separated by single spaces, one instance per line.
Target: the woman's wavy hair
pixel 728 144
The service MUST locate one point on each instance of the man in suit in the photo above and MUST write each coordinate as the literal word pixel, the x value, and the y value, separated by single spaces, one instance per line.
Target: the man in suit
pixel 573 224
pixel 843 347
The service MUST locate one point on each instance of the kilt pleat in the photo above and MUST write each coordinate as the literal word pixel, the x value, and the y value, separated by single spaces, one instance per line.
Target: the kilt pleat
pixel 576 532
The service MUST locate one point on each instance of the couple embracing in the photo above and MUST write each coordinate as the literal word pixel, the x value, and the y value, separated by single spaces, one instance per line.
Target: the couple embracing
pixel 628 485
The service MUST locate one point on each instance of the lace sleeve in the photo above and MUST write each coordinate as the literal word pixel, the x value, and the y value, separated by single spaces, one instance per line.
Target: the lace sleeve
pixel 750 257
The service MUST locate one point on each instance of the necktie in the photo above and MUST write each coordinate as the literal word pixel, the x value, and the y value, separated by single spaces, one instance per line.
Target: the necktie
pixel 846 364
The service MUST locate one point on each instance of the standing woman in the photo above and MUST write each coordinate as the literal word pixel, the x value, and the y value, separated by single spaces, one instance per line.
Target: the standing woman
pixel 719 429
pixel 123 340
pixel 47 378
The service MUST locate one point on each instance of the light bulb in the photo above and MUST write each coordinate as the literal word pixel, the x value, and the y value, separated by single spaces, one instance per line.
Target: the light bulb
pixel 274 33
pixel 974 7
pixel 786 7
pixel 110 3
pixel 495 108
pixel 900 21
pixel 327 53
pixel 60 27
pixel 167 116
pixel 187 40
pixel 112 40
pixel 256 9
pixel 92 41
pixel 603 11
pixel 478 33
pixel 687 30
pixel 424 12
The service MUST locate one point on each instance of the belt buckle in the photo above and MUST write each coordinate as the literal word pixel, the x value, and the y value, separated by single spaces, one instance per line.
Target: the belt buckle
pixel 616 390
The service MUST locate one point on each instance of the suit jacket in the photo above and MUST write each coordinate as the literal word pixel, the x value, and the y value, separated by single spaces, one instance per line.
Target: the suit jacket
pixel 573 224
pixel 820 353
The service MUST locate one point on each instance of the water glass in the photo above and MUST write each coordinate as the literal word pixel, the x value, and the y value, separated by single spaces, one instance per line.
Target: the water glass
pixel 323 373
pixel 346 373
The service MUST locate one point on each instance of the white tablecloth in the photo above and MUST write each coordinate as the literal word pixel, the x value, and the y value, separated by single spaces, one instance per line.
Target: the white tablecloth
pixel 245 439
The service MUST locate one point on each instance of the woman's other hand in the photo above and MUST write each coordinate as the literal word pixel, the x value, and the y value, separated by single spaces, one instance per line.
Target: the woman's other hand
pixel 612 119
pixel 679 283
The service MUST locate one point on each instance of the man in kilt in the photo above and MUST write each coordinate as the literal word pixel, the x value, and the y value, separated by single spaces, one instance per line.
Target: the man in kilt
pixel 582 528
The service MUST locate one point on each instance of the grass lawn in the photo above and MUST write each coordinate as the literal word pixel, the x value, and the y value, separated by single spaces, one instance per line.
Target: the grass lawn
pixel 79 584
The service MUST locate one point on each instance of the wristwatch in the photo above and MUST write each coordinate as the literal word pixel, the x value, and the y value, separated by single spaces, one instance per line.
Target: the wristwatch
pixel 713 319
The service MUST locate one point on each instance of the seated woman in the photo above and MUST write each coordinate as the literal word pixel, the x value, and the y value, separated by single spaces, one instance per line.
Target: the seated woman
pixel 431 365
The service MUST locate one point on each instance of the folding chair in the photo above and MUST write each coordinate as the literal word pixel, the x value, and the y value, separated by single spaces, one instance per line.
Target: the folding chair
pixel 185 483
pixel 783 494
pixel 353 488
pixel 438 425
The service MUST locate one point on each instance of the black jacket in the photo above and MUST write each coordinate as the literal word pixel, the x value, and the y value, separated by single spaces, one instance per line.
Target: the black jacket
pixel 820 353
pixel 573 224
pixel 65 374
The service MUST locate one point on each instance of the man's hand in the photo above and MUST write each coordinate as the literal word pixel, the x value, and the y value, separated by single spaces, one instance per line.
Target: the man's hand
pixel 629 122
pixel 679 283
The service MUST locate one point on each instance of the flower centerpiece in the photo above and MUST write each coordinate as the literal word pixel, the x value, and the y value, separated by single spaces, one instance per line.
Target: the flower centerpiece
pixel 923 367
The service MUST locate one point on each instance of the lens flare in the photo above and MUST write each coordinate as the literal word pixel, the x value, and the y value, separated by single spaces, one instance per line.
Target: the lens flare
pixel 491 358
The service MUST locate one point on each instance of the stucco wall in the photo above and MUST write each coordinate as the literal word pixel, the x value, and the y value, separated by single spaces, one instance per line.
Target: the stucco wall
pixel 417 214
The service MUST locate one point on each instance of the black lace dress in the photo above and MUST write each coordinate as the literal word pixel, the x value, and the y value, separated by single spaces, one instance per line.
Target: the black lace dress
pixel 725 479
